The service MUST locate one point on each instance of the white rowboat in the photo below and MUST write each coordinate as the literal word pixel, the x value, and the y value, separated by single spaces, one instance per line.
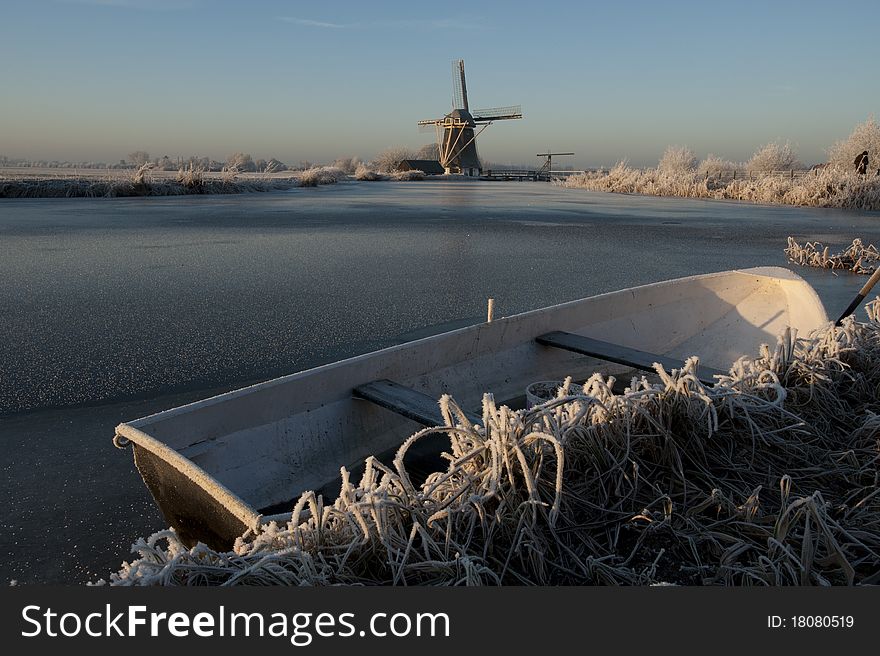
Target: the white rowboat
pixel 231 463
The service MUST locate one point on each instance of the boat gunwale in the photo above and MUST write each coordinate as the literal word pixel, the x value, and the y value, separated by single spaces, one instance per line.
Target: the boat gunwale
pixel 242 510
pixel 765 271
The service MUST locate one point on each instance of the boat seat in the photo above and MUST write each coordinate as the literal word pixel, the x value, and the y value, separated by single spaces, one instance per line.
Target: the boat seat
pixel 596 348
pixel 406 401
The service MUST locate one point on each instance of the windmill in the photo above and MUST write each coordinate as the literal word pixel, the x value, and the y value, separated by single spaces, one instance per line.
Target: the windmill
pixel 457 131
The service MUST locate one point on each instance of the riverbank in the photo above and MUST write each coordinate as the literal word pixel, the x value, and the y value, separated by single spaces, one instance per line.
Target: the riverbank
pixel 828 187
pixel 115 183
pixel 125 183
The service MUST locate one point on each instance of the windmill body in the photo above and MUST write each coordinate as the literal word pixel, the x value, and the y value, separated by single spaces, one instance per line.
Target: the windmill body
pixel 458 130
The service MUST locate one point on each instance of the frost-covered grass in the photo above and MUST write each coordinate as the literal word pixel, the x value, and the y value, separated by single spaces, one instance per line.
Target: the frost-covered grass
pixel 371 175
pixel 857 257
pixel 367 174
pixel 320 175
pixel 770 477
pixel 773 174
pixel 407 176
pixel 828 187
pixel 149 182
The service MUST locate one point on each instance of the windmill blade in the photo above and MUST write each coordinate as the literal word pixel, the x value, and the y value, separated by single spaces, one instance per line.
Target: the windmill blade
pixel 497 113
pixel 459 88
pixel 430 121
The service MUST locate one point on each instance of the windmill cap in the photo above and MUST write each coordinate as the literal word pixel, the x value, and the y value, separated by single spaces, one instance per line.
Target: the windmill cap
pixel 462 114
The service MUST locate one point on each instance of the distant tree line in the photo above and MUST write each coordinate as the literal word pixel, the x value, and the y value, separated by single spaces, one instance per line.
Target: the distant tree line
pixel 59 164
pixel 386 161
pixel 236 162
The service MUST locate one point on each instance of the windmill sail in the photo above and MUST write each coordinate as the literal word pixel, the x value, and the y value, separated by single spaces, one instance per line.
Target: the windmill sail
pixel 459 88
pixel 497 113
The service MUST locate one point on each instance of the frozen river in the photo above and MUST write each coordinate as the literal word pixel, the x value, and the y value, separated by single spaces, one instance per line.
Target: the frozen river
pixel 114 308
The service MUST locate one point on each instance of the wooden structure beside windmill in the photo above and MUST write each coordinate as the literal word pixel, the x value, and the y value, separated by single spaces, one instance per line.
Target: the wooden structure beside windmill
pixel 458 130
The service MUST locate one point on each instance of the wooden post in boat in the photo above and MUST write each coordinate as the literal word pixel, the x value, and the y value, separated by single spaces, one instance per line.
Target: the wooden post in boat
pixel 490 312
pixel 860 296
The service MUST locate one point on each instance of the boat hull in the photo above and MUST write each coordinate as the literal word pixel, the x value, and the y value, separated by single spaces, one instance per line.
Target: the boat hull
pixel 224 465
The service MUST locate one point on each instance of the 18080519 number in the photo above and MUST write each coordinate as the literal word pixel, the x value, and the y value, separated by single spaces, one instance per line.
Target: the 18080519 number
pixel 811 622
pixel 822 621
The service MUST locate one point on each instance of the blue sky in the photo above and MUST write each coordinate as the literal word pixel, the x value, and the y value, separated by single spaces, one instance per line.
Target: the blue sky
pixel 97 79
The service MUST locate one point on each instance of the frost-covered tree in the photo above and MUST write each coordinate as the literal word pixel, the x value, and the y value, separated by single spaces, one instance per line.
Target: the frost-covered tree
pixel 139 157
pixel 678 159
pixel 774 157
pixel 197 163
pixel 347 164
pixel 241 162
pixel 274 166
pixel 390 158
pixel 165 163
pixel 865 136
pixel 428 151
pixel 714 165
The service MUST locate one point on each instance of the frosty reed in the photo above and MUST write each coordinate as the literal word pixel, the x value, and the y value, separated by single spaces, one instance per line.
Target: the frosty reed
pixel 769 477
pixel 857 257
pixel 772 175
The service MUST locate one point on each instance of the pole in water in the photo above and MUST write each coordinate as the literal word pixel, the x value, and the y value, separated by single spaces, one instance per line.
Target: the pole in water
pixel 860 296
pixel 490 312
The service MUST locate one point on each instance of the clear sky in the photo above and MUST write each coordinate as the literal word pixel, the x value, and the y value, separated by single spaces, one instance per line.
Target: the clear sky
pixel 97 79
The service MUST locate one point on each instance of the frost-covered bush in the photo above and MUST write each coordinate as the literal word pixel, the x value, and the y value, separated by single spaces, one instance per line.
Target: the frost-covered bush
pixel 407 176
pixel 274 166
pixel 678 159
pixel 716 166
pixel 624 179
pixel 139 177
pixel 320 175
pixel 829 187
pixel 190 177
pixel 836 185
pixel 363 172
pixel 865 136
pixel 774 157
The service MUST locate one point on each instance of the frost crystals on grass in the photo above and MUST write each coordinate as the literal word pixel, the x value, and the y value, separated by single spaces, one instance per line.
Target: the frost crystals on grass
pixel 769 477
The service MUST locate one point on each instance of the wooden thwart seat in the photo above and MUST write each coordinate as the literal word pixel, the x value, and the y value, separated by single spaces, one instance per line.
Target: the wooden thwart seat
pixel 423 409
pixel 596 348
pixel 406 401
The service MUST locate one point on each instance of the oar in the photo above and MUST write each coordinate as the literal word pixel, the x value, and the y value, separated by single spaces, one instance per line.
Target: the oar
pixel 860 296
